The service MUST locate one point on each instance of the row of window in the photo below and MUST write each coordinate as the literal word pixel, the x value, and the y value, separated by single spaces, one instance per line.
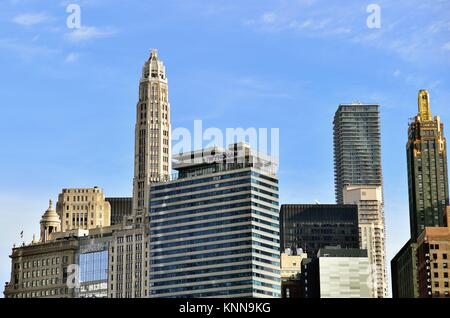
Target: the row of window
pixel 214 216
pixel 201 180
pixel 129 238
pixel 215 270
pixel 252 251
pixel 42 293
pixel 43 272
pixel 41 282
pixel 42 262
pixel 214 285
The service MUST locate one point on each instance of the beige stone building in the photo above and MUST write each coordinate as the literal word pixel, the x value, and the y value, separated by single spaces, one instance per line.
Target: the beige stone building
pixel 152 152
pixel 129 251
pixel 83 208
pixel 369 200
pixel 291 265
pixel 40 269
pixel 129 261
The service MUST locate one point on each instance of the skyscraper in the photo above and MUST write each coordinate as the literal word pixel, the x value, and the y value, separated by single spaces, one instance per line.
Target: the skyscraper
pixel 427 169
pixel 215 229
pixel 359 180
pixel 428 197
pixel 129 252
pixel 152 134
pixel 357 147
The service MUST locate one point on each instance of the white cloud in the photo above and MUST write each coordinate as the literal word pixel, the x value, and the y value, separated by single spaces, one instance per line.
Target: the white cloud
pixel 410 37
pixel 30 19
pixel 72 57
pixel 26 51
pixel 446 46
pixel 396 73
pixel 268 17
pixel 87 33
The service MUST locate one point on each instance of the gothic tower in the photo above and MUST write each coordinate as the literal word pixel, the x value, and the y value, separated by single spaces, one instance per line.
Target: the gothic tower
pixel 152 133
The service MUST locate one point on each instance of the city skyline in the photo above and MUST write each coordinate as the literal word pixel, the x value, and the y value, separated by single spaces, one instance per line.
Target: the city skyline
pixel 304 176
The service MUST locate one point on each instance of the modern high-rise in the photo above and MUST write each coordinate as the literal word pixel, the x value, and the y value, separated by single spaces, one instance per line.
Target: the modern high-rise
pixel 83 208
pixel 357 147
pixel 315 226
pixel 152 151
pixel 427 169
pixel 369 200
pixel 214 229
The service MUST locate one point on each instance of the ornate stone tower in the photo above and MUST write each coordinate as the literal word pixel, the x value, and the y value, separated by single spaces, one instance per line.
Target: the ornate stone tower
pixel 50 222
pixel 152 135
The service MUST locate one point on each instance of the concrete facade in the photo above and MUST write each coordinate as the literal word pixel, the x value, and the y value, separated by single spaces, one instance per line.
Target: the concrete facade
pixel 369 200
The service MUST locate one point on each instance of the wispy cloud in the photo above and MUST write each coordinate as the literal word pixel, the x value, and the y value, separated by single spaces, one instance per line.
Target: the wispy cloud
pixel 30 19
pixel 446 46
pixel 72 57
pixel 87 33
pixel 411 37
pixel 26 51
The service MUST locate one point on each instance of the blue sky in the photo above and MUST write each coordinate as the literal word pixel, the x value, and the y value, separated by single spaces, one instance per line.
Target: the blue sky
pixel 68 96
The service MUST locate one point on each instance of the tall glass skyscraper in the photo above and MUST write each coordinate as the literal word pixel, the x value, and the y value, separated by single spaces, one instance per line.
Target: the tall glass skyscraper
pixel 214 229
pixel 357 147
pixel 358 179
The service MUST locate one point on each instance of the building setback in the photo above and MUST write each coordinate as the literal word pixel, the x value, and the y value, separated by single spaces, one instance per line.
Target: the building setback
pixel 214 229
pixel 357 147
pixel 315 226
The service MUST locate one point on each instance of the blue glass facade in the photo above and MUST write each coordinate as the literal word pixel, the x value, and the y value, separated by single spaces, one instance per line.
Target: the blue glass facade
pixel 94 266
pixel 215 235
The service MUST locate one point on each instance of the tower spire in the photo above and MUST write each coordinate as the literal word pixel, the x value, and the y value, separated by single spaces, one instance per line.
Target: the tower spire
pixel 424 105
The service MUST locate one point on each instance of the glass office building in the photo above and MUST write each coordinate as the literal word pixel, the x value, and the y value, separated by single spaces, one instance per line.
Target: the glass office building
pixel 214 229
pixel 357 147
